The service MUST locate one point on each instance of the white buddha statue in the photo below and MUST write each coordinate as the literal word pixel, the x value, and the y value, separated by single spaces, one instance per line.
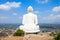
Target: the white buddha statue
pixel 30 22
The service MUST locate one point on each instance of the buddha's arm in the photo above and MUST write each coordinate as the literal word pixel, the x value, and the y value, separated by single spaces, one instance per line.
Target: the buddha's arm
pixel 23 22
pixel 36 20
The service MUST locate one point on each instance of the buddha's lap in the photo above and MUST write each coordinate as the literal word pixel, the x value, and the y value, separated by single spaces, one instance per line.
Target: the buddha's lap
pixel 29 27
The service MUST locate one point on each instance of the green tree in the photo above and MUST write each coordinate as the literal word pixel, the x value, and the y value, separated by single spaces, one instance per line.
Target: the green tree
pixel 19 33
pixel 57 37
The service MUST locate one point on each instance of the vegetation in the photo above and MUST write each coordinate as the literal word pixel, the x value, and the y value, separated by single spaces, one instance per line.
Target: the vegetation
pixel 19 33
pixel 57 37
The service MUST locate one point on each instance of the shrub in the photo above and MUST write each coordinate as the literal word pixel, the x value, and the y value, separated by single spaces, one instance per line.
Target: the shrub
pixel 19 33
pixel 53 34
pixel 57 37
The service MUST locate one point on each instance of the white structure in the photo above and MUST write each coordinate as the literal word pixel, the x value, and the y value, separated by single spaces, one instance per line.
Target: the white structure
pixel 30 22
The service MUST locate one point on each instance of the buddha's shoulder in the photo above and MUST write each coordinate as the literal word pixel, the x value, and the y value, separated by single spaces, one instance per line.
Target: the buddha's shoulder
pixel 30 15
pixel 35 15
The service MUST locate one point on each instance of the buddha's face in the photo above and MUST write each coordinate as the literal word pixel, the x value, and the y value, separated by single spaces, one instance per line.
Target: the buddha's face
pixel 30 9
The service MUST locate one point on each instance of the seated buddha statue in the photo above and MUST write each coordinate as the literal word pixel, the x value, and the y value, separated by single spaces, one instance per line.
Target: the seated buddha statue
pixel 30 22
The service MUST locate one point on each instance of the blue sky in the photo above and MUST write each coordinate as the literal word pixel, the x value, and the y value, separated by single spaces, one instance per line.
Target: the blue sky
pixel 12 11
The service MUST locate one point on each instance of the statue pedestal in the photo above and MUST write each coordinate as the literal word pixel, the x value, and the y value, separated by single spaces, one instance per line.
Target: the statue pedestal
pixel 30 28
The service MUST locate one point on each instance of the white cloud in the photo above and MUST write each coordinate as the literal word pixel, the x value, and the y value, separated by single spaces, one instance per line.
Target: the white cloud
pixel 56 9
pixel 15 14
pixel 36 12
pixel 42 1
pixel 51 18
pixel 9 5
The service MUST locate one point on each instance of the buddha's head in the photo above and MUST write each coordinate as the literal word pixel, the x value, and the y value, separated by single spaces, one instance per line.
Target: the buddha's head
pixel 30 9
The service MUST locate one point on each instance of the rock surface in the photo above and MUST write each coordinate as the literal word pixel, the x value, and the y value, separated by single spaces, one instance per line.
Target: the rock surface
pixel 42 36
pixel 37 37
